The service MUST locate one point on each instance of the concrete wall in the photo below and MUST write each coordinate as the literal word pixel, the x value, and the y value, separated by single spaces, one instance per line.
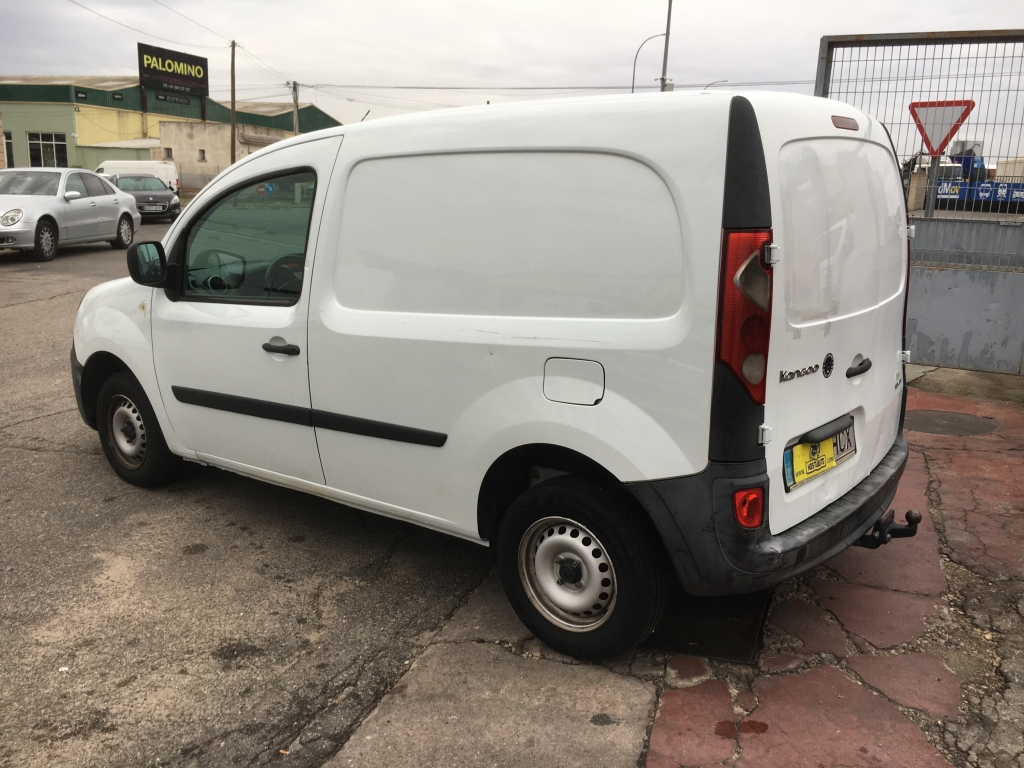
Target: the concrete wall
pixel 93 157
pixel 967 294
pixel 22 119
pixel 185 141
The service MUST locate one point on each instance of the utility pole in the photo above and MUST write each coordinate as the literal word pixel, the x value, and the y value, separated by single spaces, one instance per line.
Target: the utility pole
pixel 664 62
pixel 295 107
pixel 233 44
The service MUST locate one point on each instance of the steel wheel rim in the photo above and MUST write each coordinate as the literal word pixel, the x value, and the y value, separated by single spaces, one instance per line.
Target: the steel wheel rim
pixel 126 232
pixel 127 432
pixel 46 241
pixel 548 552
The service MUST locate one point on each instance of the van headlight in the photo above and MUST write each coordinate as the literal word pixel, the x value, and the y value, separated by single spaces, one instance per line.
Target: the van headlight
pixel 12 217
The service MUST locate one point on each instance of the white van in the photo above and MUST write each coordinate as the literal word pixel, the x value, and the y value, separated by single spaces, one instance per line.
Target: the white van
pixel 613 338
pixel 164 170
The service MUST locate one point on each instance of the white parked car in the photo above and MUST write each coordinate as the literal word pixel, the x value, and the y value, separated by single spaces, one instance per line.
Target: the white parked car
pixel 613 338
pixel 41 210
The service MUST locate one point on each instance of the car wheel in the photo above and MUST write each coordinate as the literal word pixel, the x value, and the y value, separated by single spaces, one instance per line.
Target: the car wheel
pixel 46 242
pixel 125 233
pixel 130 434
pixel 582 567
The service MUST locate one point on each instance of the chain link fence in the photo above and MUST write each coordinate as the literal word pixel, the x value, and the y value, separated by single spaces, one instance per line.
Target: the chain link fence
pixel 965 198
pixel 981 169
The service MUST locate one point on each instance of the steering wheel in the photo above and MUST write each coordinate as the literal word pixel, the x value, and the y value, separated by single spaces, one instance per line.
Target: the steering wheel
pixel 220 281
pixel 284 275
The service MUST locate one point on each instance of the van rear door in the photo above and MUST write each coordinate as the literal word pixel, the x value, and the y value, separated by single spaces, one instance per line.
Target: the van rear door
pixel 837 316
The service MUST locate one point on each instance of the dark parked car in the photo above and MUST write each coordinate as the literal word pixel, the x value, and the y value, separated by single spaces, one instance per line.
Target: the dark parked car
pixel 154 199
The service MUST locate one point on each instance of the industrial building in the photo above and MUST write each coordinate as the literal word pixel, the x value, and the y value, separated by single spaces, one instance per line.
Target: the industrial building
pixel 80 122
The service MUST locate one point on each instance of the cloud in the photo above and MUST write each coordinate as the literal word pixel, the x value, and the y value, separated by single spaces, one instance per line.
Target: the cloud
pixel 465 42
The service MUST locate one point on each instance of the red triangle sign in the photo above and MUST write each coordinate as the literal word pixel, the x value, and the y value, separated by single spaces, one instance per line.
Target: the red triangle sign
pixel 938 121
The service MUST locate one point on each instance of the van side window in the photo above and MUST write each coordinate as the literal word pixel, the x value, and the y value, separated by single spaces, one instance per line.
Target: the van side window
pixel 250 246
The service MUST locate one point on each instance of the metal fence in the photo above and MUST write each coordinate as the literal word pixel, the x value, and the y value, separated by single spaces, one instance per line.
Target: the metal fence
pixel 966 201
pixel 981 171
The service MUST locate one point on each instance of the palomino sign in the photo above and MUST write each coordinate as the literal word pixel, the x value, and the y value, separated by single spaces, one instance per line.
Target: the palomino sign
pixel 166 70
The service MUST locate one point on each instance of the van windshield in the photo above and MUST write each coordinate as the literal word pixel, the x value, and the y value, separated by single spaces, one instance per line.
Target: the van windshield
pixel 29 183
pixel 139 183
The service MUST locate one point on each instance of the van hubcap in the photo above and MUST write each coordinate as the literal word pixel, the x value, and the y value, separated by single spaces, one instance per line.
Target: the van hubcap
pixel 127 432
pixel 567 574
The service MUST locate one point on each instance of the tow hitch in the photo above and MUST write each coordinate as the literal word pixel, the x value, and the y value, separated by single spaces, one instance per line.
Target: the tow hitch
pixel 885 530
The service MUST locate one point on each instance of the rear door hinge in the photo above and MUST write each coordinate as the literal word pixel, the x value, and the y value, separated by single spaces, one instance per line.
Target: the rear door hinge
pixel 772 254
pixel 764 434
pixel 911 232
pixel 905 356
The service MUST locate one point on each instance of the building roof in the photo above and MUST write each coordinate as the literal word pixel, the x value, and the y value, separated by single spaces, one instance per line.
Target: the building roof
pixel 99 82
pixel 268 108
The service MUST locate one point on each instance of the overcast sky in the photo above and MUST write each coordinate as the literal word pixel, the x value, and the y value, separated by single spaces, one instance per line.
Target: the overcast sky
pixel 486 43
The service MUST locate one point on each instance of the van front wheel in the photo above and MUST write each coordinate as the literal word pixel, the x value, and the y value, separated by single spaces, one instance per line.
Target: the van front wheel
pixel 130 434
pixel 582 567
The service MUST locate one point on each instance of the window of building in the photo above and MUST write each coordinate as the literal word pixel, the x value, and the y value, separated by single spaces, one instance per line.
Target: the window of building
pixel 202 155
pixel 47 150
pixel 168 153
pixel 9 148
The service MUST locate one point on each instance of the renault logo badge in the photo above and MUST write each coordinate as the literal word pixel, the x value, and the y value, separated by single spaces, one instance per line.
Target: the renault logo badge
pixel 828 365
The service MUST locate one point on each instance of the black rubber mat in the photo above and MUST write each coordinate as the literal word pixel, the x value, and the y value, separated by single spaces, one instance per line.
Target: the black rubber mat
pixel 724 628
pixel 949 423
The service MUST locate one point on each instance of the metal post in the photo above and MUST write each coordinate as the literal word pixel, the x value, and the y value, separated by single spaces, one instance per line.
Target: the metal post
pixel 295 107
pixel 664 61
pixel 932 189
pixel 145 116
pixel 233 44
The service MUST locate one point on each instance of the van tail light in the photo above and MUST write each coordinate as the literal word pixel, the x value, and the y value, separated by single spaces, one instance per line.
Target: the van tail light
pixel 745 308
pixel 748 507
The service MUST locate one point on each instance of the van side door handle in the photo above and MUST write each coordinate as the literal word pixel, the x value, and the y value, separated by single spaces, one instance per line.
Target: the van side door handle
pixel 281 349
pixel 856 370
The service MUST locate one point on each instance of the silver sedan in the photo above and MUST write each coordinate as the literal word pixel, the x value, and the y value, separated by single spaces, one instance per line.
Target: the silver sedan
pixel 44 208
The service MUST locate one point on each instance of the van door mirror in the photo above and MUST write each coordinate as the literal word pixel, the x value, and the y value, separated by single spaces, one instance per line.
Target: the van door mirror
pixel 147 264
pixel 72 195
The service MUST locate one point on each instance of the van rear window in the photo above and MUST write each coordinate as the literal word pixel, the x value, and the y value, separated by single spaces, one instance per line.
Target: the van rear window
pixel 529 234
pixel 843 239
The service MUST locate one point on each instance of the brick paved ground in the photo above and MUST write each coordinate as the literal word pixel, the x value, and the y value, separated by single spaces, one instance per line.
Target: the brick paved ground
pixel 910 655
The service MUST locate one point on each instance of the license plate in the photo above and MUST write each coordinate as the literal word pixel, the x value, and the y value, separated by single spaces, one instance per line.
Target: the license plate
pixel 806 461
pixel 150 208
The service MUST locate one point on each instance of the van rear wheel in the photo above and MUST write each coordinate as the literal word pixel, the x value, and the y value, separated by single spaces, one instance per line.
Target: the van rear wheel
pixel 582 567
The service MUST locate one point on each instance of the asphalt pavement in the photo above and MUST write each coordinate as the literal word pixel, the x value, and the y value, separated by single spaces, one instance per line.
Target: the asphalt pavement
pixel 208 623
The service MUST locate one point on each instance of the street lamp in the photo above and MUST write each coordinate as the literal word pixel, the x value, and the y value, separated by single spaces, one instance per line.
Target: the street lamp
pixel 633 87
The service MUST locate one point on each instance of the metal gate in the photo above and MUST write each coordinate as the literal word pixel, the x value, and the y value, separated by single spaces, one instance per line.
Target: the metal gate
pixel 966 199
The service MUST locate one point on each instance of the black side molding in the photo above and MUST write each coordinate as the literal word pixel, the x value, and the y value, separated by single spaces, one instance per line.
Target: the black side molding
pixel 293 414
pixel 826 431
pixel 357 426
pixel 247 406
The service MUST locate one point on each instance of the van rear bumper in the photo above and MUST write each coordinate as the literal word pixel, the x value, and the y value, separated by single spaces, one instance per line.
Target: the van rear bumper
pixel 714 556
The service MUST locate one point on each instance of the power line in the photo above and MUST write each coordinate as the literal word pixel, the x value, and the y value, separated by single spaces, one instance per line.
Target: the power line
pixel 172 10
pixel 248 53
pixel 141 32
pixel 369 100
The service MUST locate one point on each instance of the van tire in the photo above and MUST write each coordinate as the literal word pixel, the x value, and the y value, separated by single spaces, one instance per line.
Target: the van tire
pixel 130 433
pixel 46 242
pixel 623 557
